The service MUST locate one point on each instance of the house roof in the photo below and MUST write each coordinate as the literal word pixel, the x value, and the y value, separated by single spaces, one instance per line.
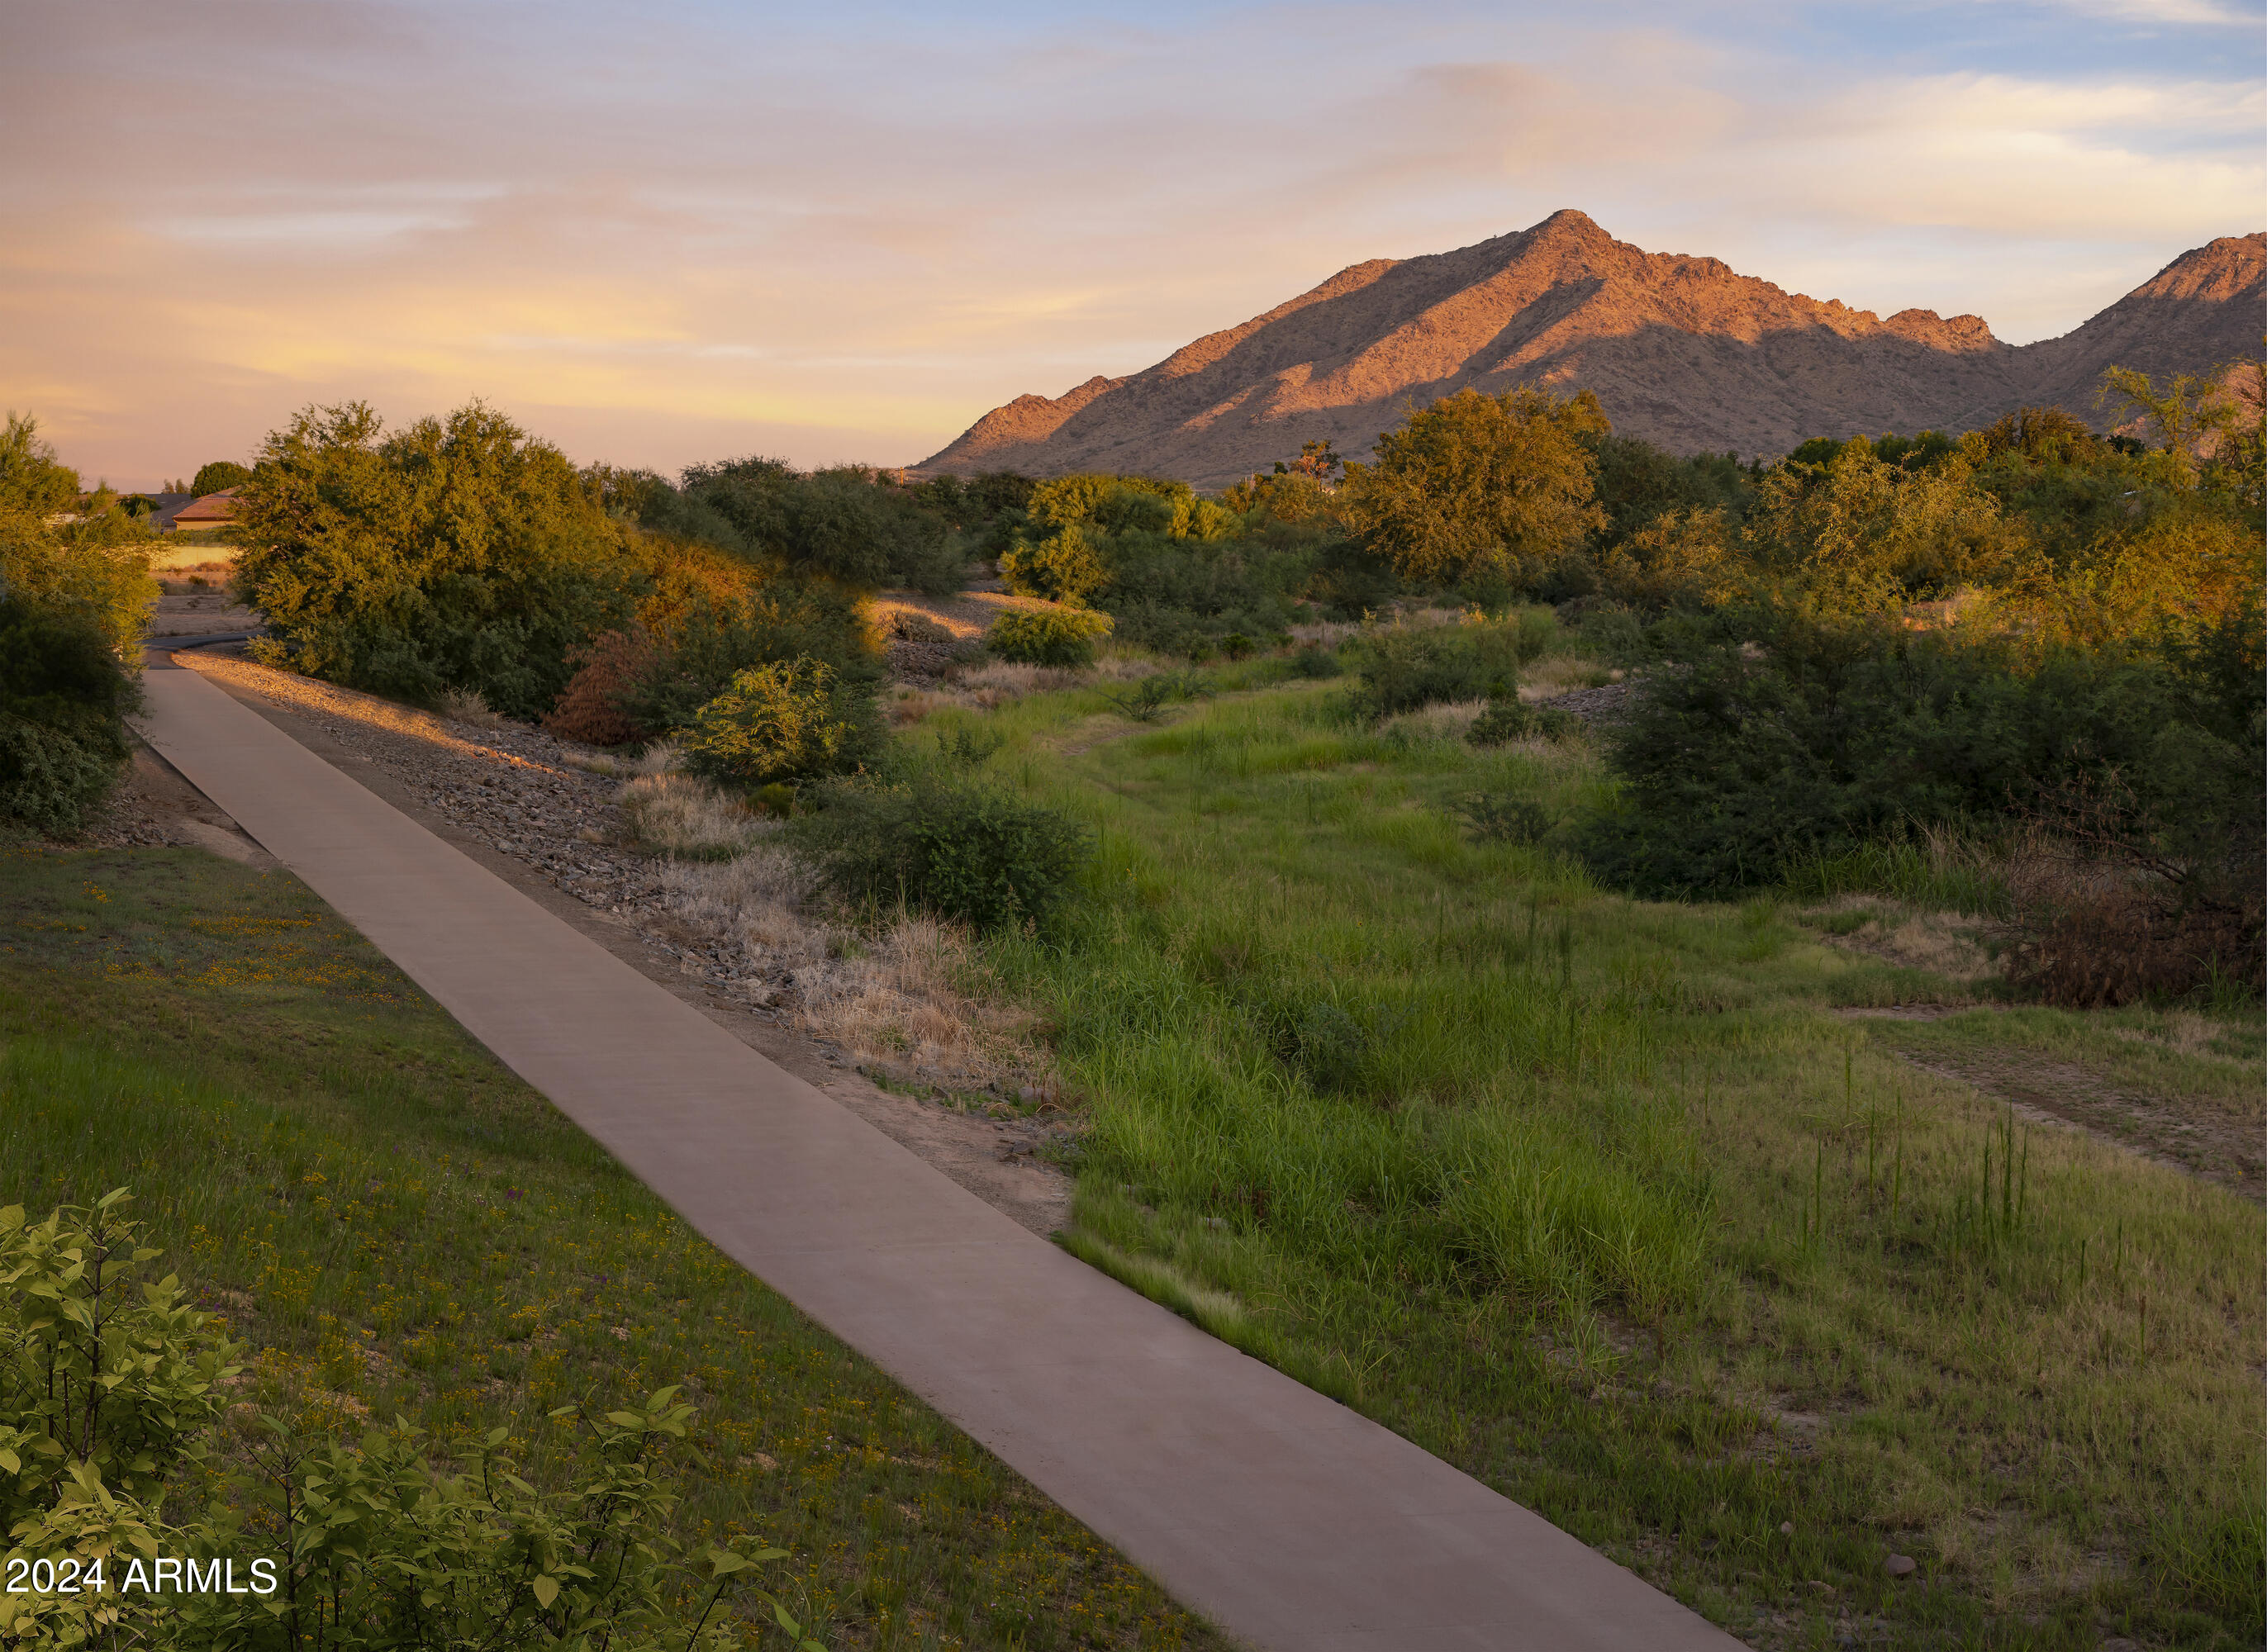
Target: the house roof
pixel 212 508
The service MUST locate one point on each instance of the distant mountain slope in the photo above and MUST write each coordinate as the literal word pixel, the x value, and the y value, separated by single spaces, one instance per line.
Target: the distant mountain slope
pixel 2206 307
pixel 1684 351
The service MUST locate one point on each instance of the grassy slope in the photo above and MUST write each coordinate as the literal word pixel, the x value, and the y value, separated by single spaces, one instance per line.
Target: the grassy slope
pixel 396 1223
pixel 1600 1201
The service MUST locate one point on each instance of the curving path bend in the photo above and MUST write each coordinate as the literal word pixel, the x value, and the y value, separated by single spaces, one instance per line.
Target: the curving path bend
pixel 1295 1524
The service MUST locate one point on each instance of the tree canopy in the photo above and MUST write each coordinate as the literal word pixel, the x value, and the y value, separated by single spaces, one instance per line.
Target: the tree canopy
pixel 218 476
pixel 1478 486
pixel 454 553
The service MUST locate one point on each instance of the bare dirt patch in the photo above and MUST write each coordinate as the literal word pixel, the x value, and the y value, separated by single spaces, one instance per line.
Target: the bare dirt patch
pixel 2193 1134
pixel 195 602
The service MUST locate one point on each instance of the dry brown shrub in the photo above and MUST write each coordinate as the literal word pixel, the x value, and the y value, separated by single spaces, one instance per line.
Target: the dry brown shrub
pixel 2100 947
pixel 586 711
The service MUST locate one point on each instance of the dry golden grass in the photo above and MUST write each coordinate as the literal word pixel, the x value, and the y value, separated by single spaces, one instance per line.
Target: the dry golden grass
pixel 468 707
pixel 1561 674
pixel 899 999
pixel 1445 722
pixel 687 818
pixel 997 683
pixel 1944 943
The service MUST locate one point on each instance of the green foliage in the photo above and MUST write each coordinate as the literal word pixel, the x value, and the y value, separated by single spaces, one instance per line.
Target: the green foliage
pixel 63 697
pixel 790 720
pixel 1046 636
pixel 1737 769
pixel 1861 535
pixel 945 844
pixel 219 476
pixel 847 522
pixel 1638 483
pixel 709 640
pixel 1504 817
pixel 1116 503
pixel 92 559
pixel 1146 701
pixel 1065 567
pixel 457 554
pixel 1404 668
pixel 113 1382
pixel 1481 486
pixel 32 480
pixel 102 1370
pixel 1510 717
pixel 1911 453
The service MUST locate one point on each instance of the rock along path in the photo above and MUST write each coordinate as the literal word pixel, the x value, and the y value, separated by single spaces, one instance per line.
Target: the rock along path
pixel 1295 1524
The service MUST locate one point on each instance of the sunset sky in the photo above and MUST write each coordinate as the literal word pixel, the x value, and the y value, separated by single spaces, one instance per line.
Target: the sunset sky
pixel 676 231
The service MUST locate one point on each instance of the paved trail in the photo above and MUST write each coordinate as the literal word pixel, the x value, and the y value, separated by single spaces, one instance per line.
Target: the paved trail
pixel 1292 1521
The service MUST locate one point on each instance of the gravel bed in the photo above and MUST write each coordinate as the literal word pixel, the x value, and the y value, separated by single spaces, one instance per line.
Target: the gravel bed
pixel 1604 703
pixel 519 789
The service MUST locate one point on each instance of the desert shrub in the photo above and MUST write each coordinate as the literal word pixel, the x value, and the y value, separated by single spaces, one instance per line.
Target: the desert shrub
pixel 704 641
pixel 946 843
pixel 63 697
pixel 847 522
pixel 1502 817
pixel 1737 765
pixel 96 563
pixel 589 708
pixel 1065 567
pixel 1405 667
pixel 1061 637
pixel 1478 484
pixel 2095 948
pixel 448 554
pixel 790 720
pixel 1510 719
pixel 1315 661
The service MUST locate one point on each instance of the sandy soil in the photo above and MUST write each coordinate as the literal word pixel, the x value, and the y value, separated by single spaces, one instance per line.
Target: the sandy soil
pixel 196 601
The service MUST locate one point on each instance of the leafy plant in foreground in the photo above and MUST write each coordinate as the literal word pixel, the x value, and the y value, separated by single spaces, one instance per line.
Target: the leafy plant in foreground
pixel 110 1385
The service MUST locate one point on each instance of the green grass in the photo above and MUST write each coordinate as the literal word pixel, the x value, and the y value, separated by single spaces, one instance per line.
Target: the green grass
pixel 397 1224
pixel 1599 1200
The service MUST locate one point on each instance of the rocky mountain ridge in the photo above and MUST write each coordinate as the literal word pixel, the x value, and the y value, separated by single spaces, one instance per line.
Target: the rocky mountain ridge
pixel 1684 351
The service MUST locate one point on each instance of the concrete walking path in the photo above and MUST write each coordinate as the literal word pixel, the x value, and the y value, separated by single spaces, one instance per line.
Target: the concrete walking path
pixel 1295 1524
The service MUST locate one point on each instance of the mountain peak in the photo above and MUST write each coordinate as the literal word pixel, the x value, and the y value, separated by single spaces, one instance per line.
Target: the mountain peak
pixel 1571 220
pixel 1684 351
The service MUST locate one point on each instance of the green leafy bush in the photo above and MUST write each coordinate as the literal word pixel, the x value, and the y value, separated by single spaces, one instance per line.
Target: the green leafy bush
pixel 1738 766
pixel 446 555
pixel 1510 719
pixel 1499 817
pixel 1047 636
pixel 708 640
pixel 949 846
pixel 111 1384
pixel 790 720
pixel 1065 567
pixel 848 523
pixel 63 697
pixel 1405 667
